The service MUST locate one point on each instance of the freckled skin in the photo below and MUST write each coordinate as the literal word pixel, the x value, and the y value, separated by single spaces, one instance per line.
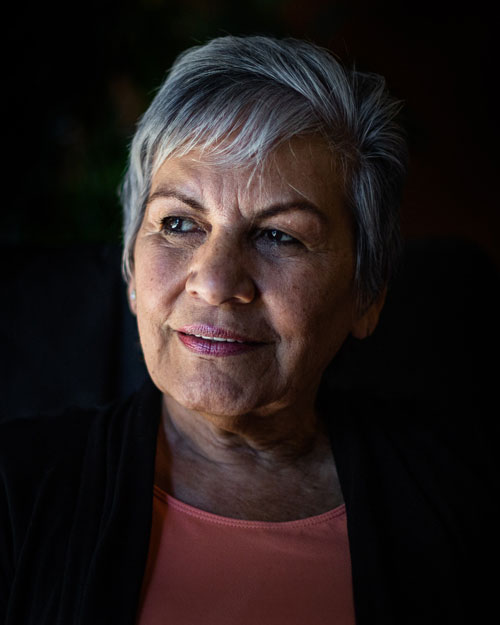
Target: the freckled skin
pixel 223 270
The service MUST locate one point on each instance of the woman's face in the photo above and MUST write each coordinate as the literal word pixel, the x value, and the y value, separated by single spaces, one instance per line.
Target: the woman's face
pixel 244 290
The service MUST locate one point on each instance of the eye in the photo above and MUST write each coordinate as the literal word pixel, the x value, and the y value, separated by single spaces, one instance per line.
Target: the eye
pixel 178 225
pixel 278 237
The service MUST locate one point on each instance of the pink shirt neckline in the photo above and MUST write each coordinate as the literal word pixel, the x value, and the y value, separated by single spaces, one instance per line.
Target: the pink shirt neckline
pixel 210 517
pixel 204 568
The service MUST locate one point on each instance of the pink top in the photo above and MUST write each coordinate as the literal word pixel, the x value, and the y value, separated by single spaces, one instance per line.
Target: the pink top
pixel 205 569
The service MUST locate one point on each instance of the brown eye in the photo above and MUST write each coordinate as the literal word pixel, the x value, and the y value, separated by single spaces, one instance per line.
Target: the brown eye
pixel 178 225
pixel 278 237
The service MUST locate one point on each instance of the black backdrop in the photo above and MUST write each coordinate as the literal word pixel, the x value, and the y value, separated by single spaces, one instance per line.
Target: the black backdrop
pixel 76 77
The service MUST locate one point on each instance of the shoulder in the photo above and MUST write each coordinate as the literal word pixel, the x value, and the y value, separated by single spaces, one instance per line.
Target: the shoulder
pixel 455 420
pixel 47 453
pixel 448 442
pixel 32 446
pixel 42 438
pixel 65 480
pixel 54 465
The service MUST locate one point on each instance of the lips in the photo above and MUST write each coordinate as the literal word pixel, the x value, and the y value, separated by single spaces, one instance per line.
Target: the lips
pixel 208 340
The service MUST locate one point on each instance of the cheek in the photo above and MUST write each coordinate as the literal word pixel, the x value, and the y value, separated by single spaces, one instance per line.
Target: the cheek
pixel 159 280
pixel 312 307
pixel 160 275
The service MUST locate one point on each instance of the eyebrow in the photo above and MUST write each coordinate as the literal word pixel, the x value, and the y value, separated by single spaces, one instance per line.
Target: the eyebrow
pixel 164 192
pixel 271 211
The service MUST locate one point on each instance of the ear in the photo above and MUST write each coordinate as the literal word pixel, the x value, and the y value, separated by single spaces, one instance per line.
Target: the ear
pixel 132 298
pixel 364 324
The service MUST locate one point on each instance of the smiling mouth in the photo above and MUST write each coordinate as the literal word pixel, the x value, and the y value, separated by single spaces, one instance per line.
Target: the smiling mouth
pixel 215 341
pixel 216 338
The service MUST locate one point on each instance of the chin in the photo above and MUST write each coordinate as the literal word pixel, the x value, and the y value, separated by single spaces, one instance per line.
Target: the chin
pixel 217 395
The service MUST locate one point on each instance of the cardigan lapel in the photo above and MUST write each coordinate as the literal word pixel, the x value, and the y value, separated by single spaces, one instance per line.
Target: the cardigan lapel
pixel 370 578
pixel 402 552
pixel 117 568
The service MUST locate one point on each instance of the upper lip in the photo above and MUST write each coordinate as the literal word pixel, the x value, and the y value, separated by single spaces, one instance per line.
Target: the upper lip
pixel 212 332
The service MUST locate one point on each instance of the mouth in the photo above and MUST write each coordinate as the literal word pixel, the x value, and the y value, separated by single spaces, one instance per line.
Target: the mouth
pixel 211 341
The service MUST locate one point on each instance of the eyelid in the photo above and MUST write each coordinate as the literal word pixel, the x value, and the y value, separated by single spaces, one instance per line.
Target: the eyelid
pixel 199 225
pixel 304 227
pixel 165 229
pixel 280 230
pixel 286 231
pixel 261 237
pixel 182 215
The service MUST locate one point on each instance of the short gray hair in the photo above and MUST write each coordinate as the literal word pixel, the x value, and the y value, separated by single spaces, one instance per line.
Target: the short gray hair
pixel 238 98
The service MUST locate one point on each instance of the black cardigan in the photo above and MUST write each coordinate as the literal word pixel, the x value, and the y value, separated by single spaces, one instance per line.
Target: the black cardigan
pixel 419 485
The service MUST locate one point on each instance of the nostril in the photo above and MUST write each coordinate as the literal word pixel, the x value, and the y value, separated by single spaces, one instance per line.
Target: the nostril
pixel 217 286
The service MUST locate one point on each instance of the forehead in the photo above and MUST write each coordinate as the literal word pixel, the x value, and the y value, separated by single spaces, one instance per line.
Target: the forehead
pixel 300 168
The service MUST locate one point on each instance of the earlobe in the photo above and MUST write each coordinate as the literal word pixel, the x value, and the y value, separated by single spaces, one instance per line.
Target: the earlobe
pixel 365 324
pixel 132 298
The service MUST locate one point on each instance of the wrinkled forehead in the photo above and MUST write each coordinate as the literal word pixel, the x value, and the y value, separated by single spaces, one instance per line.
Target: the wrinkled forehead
pixel 300 166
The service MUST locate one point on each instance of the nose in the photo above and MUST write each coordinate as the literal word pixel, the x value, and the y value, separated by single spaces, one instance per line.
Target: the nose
pixel 219 273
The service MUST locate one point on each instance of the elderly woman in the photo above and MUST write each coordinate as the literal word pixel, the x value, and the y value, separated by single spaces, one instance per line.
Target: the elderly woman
pixel 261 231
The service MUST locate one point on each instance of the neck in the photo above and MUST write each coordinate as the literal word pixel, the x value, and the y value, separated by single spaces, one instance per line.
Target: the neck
pixel 282 437
pixel 273 467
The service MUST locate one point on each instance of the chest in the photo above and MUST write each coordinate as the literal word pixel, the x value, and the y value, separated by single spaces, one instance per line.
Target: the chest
pixel 204 568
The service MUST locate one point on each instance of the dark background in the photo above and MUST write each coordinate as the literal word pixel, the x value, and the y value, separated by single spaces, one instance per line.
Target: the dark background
pixel 76 78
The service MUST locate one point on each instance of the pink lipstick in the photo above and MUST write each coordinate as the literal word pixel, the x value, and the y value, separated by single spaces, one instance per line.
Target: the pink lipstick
pixel 210 341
